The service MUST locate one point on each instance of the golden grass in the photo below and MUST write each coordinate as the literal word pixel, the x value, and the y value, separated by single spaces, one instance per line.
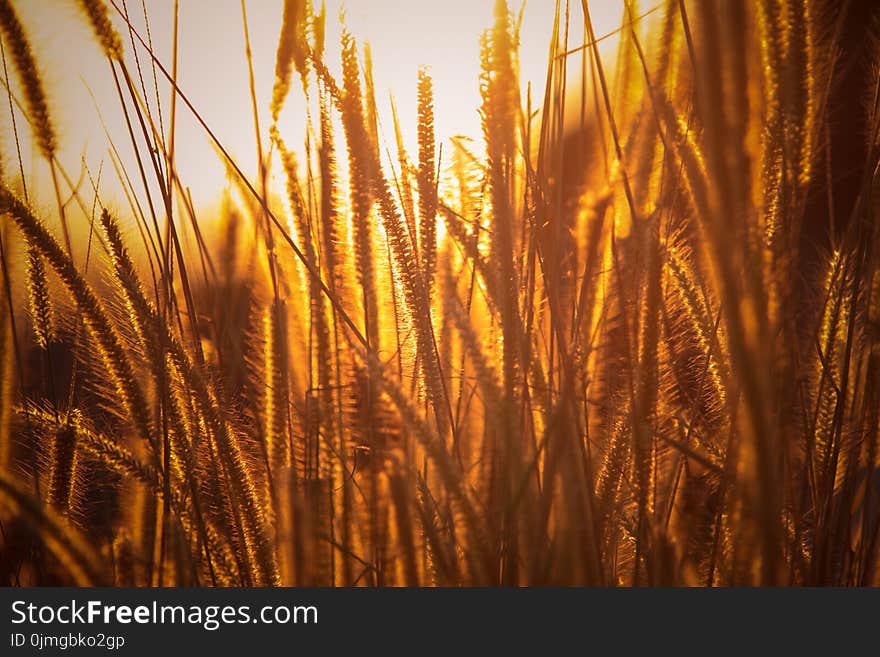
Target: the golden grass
pixel 626 346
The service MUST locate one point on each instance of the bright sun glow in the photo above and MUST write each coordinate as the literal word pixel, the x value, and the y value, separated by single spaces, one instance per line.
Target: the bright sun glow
pixel 623 331
pixel 404 35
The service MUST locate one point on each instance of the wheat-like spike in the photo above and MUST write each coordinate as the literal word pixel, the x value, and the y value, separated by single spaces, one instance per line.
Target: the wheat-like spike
pixel 38 298
pixel 646 379
pixel 108 37
pixel 478 556
pixel 318 316
pixel 276 395
pixel 498 93
pixel 427 182
pixel 333 233
pixel 292 50
pixel 255 529
pixel 359 164
pixel 498 90
pixel 334 259
pixel 223 569
pixel 681 140
pixel 123 462
pixel 827 367
pixel 371 109
pixel 773 155
pixel 803 80
pixel 94 315
pixel 142 315
pixel 319 30
pixel 31 82
pixel 63 465
pixel 772 49
pixel 244 491
pixel 360 152
pixel 44 134
pixel 124 269
pixel 416 297
pixel 683 282
pixel 669 382
pixel 669 44
pixel 118 457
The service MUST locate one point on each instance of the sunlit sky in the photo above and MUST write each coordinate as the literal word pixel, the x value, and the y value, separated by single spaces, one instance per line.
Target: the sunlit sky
pixel 404 35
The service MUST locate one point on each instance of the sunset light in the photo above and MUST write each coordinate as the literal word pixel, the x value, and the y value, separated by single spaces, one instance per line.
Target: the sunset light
pixel 403 36
pixel 457 293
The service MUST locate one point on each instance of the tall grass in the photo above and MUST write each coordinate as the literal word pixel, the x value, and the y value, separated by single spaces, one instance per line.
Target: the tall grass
pixel 621 344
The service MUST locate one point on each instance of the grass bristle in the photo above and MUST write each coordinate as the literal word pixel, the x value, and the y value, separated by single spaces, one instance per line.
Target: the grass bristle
pixel 628 334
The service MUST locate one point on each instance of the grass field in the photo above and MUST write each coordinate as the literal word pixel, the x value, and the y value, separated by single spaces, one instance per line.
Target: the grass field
pixel 628 335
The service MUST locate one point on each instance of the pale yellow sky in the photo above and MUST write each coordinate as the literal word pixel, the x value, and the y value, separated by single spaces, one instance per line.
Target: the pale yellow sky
pixel 404 35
